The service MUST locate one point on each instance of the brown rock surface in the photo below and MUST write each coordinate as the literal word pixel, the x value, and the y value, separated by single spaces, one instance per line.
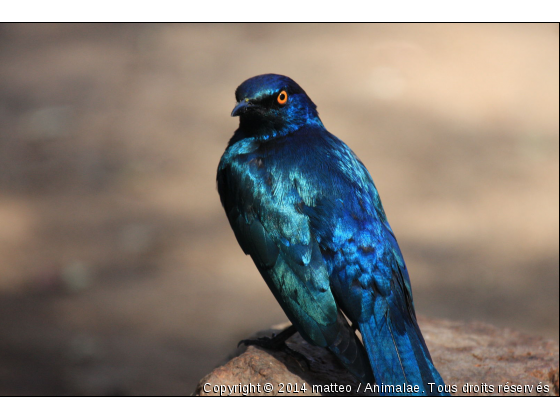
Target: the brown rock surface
pixel 473 359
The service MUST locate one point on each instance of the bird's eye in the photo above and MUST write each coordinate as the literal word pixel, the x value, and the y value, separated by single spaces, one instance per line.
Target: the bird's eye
pixel 282 97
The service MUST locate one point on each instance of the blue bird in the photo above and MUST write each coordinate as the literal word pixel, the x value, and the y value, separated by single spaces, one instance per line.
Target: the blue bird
pixel 306 210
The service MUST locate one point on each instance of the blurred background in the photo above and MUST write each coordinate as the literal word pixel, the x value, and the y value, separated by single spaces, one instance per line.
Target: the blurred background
pixel 119 273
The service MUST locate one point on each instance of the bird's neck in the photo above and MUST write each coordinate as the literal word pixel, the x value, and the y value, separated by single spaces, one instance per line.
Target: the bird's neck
pixel 269 130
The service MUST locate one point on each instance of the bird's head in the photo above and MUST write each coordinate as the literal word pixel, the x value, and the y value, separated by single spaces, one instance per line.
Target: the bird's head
pixel 270 105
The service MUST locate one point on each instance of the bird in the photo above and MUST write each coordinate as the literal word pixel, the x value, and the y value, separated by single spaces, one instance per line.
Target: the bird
pixel 307 211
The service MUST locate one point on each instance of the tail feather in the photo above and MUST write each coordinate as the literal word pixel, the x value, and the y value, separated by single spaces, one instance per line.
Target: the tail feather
pixel 348 349
pixel 399 355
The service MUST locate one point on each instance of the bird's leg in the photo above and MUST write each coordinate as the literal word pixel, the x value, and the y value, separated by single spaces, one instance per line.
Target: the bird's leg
pixel 278 343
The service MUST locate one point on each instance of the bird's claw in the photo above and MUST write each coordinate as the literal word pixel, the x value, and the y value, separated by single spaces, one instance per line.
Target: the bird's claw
pixel 299 358
pixel 272 343
pixel 263 342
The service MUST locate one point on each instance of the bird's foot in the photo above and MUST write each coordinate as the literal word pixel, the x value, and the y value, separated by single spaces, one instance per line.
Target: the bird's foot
pixel 269 343
pixel 300 359
pixel 278 343
pixel 262 342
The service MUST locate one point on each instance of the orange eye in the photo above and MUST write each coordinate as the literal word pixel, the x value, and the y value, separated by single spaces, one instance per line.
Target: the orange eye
pixel 282 97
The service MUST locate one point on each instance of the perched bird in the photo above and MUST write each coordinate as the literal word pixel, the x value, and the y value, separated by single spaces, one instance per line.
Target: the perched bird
pixel 305 208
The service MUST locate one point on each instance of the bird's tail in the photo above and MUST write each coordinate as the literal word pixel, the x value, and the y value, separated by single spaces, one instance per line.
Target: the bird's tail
pixel 399 357
pixel 348 349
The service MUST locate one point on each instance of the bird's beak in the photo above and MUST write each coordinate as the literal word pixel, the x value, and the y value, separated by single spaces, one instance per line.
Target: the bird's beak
pixel 241 107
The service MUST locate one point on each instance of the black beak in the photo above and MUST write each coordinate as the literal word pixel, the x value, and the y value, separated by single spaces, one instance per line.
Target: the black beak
pixel 241 107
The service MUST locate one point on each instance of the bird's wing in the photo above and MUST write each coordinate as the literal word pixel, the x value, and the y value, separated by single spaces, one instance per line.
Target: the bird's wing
pixel 287 255
pixel 271 227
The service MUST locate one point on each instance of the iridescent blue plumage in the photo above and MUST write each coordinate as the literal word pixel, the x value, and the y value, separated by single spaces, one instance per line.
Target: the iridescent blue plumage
pixel 307 211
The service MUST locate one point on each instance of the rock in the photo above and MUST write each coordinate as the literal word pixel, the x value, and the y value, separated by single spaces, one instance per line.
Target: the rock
pixel 474 359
